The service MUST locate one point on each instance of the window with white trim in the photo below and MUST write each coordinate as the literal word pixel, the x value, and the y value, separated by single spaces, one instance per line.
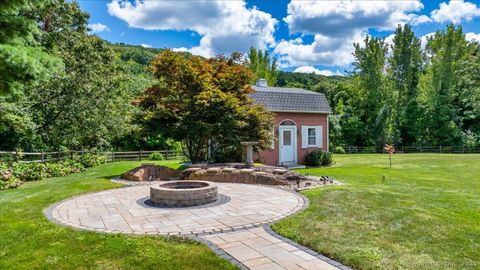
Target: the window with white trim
pixel 312 137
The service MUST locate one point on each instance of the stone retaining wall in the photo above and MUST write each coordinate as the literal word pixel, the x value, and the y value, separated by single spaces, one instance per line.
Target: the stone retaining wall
pixel 228 172
pixel 264 175
pixel 151 172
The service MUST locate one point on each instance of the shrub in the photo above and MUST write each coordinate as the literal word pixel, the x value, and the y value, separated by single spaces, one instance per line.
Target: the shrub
pixel 56 169
pixel 29 171
pixel 369 150
pixel 12 176
pixel 156 156
pixel 339 150
pixel 326 159
pixel 63 168
pixel 73 166
pixel 318 158
pixel 91 160
pixel 447 149
pixel 7 179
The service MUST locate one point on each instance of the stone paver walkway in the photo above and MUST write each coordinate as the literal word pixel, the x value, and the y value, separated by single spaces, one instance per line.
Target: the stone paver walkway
pixel 235 224
pixel 257 249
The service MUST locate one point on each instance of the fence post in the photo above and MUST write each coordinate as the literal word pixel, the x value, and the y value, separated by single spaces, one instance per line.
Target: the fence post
pixel 113 155
pixel 140 154
pixel 440 149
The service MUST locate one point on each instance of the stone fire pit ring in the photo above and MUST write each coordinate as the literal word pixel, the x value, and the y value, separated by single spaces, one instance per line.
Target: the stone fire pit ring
pixel 183 193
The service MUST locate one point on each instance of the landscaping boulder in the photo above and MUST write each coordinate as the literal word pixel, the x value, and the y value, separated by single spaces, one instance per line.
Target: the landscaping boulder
pixel 151 172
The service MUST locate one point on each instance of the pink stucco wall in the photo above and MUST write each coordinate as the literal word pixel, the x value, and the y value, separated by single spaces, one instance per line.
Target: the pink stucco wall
pixel 271 157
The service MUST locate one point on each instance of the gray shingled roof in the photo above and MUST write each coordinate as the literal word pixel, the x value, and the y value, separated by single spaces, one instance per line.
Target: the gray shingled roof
pixel 279 99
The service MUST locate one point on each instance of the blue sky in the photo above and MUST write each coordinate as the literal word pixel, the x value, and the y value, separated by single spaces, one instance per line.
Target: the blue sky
pixel 306 36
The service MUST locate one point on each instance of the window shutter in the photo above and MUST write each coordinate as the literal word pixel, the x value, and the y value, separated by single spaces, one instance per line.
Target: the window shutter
pixel 319 136
pixel 304 137
pixel 272 146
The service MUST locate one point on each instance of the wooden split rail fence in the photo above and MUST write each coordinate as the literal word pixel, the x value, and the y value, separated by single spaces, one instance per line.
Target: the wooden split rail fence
pixel 110 155
pixel 414 149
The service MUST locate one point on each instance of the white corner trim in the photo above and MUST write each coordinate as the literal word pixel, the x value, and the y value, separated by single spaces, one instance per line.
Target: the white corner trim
pixel 328 136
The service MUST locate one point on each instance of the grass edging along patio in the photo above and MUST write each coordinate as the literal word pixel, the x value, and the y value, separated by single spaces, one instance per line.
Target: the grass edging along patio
pixel 422 213
pixel 29 240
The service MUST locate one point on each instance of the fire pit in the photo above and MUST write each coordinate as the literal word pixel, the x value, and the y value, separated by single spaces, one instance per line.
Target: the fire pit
pixel 183 193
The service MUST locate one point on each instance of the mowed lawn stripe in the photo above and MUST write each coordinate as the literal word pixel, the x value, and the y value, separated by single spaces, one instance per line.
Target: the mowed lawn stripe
pixel 29 241
pixel 422 213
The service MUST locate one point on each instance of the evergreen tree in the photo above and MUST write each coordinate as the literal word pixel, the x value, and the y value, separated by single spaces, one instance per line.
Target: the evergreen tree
pixel 22 61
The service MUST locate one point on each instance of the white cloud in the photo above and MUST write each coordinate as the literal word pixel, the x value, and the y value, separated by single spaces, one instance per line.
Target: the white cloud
pixel 180 49
pixel 336 25
pixel 424 39
pixel 455 12
pixel 146 45
pixel 98 27
pixel 330 51
pixel 225 26
pixel 310 69
pixel 340 18
pixel 472 37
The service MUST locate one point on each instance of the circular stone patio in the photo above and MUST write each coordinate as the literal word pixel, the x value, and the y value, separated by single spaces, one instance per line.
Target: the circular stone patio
pixel 124 210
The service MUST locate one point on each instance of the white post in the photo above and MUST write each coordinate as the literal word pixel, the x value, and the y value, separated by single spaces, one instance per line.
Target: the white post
pixel 249 155
pixel 249 145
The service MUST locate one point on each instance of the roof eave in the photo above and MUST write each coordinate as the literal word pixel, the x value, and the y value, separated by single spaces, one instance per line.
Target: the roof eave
pixel 299 111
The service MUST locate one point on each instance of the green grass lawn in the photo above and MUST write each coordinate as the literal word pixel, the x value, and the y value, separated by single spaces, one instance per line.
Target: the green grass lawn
pixel 425 215
pixel 29 241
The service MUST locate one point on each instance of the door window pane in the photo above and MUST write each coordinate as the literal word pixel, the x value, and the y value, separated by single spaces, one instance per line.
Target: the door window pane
pixel 312 138
pixel 287 137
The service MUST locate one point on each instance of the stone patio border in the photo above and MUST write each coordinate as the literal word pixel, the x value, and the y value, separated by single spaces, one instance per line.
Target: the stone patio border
pixel 197 236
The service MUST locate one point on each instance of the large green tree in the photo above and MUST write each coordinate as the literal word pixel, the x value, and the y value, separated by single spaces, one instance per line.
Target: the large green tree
pixel 22 61
pixel 374 104
pixel 468 85
pixel 406 64
pixel 204 104
pixel 84 103
pixel 263 66
pixel 447 51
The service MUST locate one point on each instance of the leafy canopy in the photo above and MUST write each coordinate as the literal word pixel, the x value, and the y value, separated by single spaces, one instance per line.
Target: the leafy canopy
pixel 204 103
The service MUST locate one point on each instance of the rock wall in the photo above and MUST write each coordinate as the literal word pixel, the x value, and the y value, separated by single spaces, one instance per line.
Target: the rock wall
pixel 264 175
pixel 228 172
pixel 151 172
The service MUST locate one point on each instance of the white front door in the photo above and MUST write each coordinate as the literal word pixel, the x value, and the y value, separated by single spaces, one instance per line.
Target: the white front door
pixel 288 141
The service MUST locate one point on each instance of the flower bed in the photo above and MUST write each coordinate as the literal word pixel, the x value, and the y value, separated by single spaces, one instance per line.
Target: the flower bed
pixel 13 175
